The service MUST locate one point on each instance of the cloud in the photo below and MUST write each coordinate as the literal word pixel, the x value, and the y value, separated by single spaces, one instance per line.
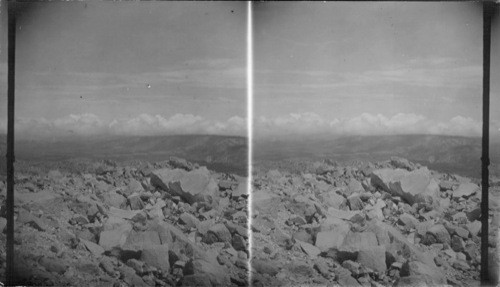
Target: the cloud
pixel 369 124
pixel 298 124
pixel 144 124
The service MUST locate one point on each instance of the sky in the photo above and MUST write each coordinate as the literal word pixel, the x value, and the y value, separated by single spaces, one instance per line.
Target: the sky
pixel 339 68
pixel 87 68
pixel 371 68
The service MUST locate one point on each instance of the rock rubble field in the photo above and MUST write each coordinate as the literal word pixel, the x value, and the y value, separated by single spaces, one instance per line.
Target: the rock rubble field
pixel 171 223
pixel 393 223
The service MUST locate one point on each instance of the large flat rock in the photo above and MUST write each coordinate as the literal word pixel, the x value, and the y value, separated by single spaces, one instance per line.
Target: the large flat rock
pixel 192 186
pixel 413 186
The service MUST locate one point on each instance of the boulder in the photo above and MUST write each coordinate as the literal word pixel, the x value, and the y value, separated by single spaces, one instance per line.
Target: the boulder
pixel 134 186
pixel 156 256
pixel 135 202
pixel 213 272
pixel 474 227
pixel 399 162
pixel 399 242
pixel 264 267
pixel 334 223
pixel 429 275
pixel 355 202
pixel 114 199
pixel 192 186
pixel 354 186
pixel 330 239
pixel 333 199
pixel 189 220
pixel 217 233
pixel 373 258
pixel 95 249
pixel 53 265
pixel 115 233
pixel 309 249
pixel 408 220
pixel 138 240
pixel 238 243
pixel 457 244
pixel 413 186
pixel 465 190
pixel 356 241
pixel 241 190
pixel 436 234
pixel 176 240
pixel 180 163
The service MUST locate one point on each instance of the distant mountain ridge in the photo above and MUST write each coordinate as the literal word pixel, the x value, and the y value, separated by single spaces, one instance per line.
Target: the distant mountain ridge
pixel 454 154
pixel 220 153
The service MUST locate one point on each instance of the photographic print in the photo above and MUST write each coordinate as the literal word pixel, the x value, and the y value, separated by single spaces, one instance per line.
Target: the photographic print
pixel 130 143
pixel 193 143
pixel 367 144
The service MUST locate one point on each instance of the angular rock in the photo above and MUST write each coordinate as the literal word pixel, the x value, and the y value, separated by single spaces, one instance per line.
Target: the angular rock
pixel 189 220
pixel 445 185
pixel 212 271
pixel 238 243
pixel 460 265
pixel 138 240
pixel 399 162
pixel 241 190
pixel 437 234
pixel 408 220
pixel 53 265
pixel 356 241
pixel 299 269
pixel 399 243
pixel 95 249
pixel 373 258
pixel 217 233
pixel 135 202
pixel 427 274
pixel 265 267
pixel 134 186
pixel 330 239
pixel 333 199
pixel 157 256
pixel 322 268
pixel 457 244
pixel 415 186
pixel 462 232
pixel 115 233
pixel 192 186
pixel 114 199
pixel 355 202
pixel 354 186
pixel 474 227
pixel 302 235
pixel 309 249
pixel 465 190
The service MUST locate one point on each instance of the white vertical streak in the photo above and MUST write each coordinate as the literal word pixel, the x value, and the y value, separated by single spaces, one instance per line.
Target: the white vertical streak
pixel 249 132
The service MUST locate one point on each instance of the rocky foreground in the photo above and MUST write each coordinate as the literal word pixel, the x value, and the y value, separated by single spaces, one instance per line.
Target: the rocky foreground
pixel 394 223
pixel 99 224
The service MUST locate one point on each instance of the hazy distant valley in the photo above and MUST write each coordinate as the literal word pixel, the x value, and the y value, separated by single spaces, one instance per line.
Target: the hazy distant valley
pixel 219 153
pixel 452 154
